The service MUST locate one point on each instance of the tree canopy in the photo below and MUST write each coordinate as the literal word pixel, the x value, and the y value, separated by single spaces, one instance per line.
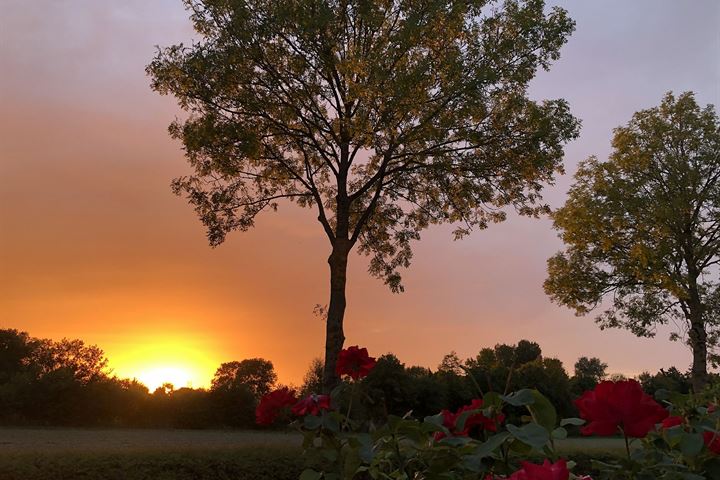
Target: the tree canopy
pixel 256 374
pixel 642 229
pixel 383 116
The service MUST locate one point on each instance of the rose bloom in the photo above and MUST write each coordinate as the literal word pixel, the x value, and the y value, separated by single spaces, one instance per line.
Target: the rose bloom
pixel 672 421
pixel 546 471
pixel 271 405
pixel 614 405
pixel 477 419
pixel 354 362
pixel 311 405
pixel 712 442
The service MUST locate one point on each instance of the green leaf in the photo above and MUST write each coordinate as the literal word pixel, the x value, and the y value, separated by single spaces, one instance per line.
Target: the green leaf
pixel 492 444
pixel 331 423
pixel 542 410
pixel 520 398
pixel 434 419
pixel 691 444
pixel 674 435
pixel 310 474
pixel 521 448
pixel 455 441
pixel 311 422
pixel 531 434
pixel 572 421
pixel 492 399
pixel 559 433
pixel 460 421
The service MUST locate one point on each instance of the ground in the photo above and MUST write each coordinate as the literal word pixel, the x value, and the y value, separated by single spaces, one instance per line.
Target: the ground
pixel 135 454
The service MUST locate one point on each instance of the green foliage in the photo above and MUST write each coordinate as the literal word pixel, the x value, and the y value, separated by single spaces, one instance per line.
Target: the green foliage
pixel 671 380
pixel 337 447
pixel 342 448
pixel 384 116
pixel 512 367
pixel 643 228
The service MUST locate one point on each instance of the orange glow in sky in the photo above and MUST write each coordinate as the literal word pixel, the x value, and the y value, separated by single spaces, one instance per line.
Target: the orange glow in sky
pixel 183 362
pixel 93 244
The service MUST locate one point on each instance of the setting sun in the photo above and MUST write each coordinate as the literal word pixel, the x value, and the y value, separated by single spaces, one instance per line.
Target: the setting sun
pixel 156 360
pixel 158 376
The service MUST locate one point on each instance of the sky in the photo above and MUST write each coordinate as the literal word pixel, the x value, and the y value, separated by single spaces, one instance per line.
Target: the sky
pixel 94 245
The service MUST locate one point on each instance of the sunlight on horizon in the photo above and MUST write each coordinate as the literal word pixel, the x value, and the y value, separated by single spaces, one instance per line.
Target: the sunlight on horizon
pixel 156 377
pixel 156 361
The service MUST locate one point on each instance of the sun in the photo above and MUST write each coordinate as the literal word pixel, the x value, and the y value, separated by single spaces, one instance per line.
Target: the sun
pixel 156 360
pixel 156 377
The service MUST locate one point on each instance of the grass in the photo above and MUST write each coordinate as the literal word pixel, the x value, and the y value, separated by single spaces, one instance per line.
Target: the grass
pixel 276 463
pixel 602 446
pixel 130 454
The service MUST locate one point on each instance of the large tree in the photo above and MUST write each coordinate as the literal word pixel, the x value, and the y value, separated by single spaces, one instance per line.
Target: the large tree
pixel 384 116
pixel 642 229
pixel 256 374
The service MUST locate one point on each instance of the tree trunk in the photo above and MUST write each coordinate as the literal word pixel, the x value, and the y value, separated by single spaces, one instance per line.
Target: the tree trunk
pixel 334 336
pixel 698 335
pixel 698 343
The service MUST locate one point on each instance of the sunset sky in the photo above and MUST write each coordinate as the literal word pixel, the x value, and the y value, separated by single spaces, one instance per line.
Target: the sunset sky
pixel 94 245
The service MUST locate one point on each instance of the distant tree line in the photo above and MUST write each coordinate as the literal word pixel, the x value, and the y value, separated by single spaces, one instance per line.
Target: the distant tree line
pixel 66 382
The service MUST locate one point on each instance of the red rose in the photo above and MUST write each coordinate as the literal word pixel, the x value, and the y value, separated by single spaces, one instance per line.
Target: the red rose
pixel 672 421
pixel 477 419
pixel 311 405
pixel 546 471
pixel 355 362
pixel 613 405
pixel 712 442
pixel 271 405
pixel 448 422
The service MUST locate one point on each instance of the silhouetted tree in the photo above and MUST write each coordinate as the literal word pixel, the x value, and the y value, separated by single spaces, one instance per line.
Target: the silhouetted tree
pixel 16 348
pixel 389 386
pixel 671 379
pixel 85 362
pixel 450 378
pixel 526 351
pixel 312 381
pixel 385 117
pixel 588 373
pixel 643 229
pixel 257 374
pixel 590 367
pixel 451 364
pixel 427 397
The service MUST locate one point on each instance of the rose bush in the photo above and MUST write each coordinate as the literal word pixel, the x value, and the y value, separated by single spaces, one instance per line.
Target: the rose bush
pixel 271 405
pixel 476 418
pixel 671 437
